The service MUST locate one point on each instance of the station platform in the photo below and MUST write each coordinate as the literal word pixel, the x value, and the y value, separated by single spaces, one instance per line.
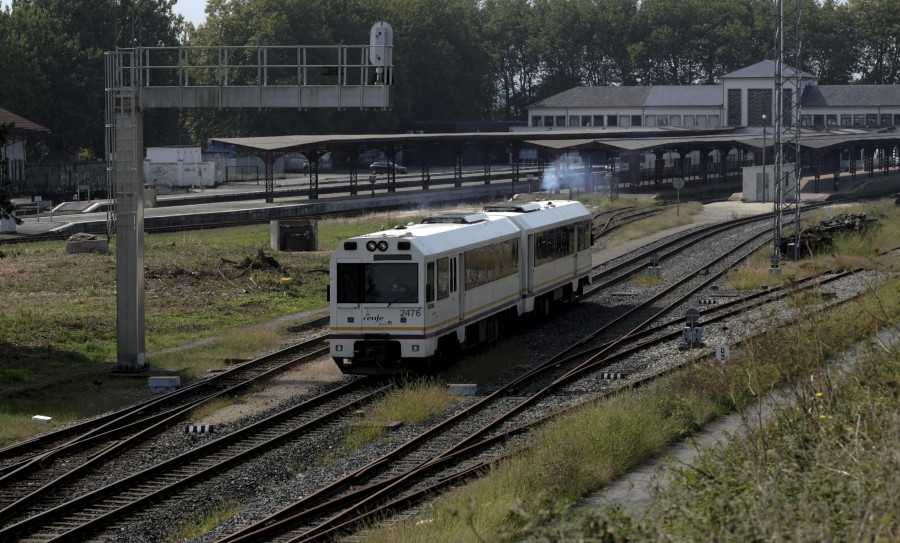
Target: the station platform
pixel 244 202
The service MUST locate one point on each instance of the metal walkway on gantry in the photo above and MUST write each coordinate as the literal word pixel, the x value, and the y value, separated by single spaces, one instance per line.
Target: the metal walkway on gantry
pixel 140 78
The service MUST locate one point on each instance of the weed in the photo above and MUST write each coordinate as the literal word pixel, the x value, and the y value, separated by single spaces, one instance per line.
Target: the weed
pixel 413 403
pixel 193 527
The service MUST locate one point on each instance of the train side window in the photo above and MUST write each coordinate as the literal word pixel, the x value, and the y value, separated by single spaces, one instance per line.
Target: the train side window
pixel 429 282
pixel 443 278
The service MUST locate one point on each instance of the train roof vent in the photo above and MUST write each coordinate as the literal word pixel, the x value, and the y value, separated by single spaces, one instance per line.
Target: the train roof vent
pixel 513 207
pixel 451 217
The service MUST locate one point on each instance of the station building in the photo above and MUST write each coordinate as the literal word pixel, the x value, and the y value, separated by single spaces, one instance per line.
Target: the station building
pixel 844 128
pixel 741 99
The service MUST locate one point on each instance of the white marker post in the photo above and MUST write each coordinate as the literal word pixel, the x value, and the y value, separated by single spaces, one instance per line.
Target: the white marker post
pixel 722 352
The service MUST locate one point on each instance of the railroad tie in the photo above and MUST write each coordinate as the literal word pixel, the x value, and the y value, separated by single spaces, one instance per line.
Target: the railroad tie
pixel 204 429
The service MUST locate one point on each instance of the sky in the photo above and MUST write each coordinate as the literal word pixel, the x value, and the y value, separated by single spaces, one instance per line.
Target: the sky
pixel 193 10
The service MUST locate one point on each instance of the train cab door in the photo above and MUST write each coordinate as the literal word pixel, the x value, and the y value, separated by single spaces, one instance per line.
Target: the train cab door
pixel 444 303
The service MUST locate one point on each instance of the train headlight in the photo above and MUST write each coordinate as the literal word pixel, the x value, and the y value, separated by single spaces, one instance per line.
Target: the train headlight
pixel 415 348
pixel 382 245
pixel 338 348
pixel 371 245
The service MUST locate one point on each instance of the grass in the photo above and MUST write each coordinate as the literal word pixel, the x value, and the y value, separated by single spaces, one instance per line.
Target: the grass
pixel 203 305
pixel 413 403
pixel 645 279
pixel 670 218
pixel 192 527
pixel 849 251
pixel 827 458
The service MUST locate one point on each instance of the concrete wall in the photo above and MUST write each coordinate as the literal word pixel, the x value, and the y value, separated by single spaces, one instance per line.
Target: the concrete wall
pixel 756 189
pixel 180 175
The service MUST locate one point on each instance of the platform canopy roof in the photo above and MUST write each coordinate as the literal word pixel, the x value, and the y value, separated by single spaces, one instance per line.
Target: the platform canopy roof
pixel 301 143
pixel 620 140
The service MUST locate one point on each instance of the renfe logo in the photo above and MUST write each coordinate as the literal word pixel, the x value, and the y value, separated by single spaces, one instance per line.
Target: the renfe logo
pixel 373 318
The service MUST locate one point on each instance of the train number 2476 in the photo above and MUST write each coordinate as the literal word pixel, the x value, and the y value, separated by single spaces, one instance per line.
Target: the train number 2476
pixel 410 312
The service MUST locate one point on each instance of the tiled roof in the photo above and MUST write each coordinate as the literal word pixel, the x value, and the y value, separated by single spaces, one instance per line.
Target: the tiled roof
pixel 622 97
pixel 21 123
pixel 851 96
pixel 764 69
pixel 597 97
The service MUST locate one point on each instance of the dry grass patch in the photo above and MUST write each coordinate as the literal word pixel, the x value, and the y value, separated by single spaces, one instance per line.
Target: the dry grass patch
pixel 193 527
pixel 661 221
pixel 413 403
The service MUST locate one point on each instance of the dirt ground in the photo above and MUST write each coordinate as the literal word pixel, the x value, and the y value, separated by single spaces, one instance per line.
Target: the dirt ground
pixel 277 390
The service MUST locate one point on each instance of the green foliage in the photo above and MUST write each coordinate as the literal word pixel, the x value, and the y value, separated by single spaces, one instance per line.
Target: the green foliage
pixel 413 403
pixel 454 60
pixel 201 523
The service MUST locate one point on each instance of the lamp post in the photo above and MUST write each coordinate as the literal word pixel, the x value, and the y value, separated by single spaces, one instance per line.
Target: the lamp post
pixel 765 179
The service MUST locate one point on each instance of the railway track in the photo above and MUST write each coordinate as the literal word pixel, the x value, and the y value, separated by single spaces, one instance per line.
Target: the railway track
pixel 366 490
pixel 370 484
pixel 328 520
pixel 43 466
pixel 61 518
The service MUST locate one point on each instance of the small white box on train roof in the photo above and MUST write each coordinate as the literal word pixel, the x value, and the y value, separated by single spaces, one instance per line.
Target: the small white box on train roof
pixel 41 418
pixel 166 383
pixel 462 390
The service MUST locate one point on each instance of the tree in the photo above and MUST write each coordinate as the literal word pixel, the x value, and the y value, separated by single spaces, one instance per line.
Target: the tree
pixel 878 25
pixel 52 57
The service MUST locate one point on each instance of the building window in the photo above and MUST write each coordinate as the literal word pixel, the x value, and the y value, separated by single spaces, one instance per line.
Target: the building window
pixel 598 120
pixel 650 120
pixel 897 119
pixel 701 120
pixel 872 119
pixel 885 119
pixel 805 120
pixel 759 103
pixel 734 107
pixel 831 120
pixel 612 120
pixel 574 120
pixel 859 120
pixel 846 120
pixel 635 120
pixel 624 120
pixel 689 120
pixel 536 120
pixel 560 120
pixel 585 120
pixel 713 120
pixel 818 120
pixel 662 121
pixel 548 120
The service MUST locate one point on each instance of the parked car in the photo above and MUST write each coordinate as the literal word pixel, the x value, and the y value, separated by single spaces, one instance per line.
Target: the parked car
pixel 383 167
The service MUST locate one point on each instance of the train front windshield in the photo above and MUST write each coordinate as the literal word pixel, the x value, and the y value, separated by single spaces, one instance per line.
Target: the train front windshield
pixel 377 283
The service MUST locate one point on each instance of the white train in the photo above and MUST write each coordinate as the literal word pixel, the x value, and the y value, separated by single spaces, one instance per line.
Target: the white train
pixel 406 299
